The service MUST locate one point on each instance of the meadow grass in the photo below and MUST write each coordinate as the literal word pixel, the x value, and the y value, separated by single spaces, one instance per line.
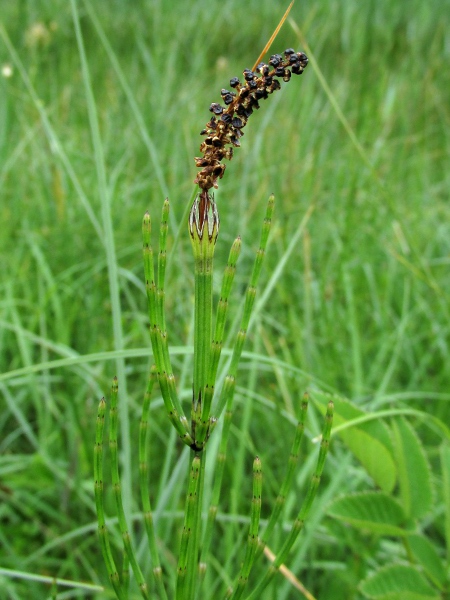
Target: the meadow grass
pixel 355 288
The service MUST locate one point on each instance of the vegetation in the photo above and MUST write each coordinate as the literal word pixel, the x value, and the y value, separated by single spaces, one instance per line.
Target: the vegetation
pixel 353 300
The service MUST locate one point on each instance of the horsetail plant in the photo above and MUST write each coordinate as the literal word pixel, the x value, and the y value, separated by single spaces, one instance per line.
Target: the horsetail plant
pixel 222 134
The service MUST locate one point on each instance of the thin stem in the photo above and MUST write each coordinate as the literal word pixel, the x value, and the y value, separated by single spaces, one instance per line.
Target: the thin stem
pixel 221 315
pixel 118 493
pixel 227 394
pixel 157 333
pixel 304 510
pixel 162 259
pixel 126 574
pixel 160 299
pixel 202 328
pixel 98 492
pixel 189 519
pixel 194 547
pixel 252 540
pixel 144 485
pixel 241 446
pixel 287 482
pixel 229 384
pixel 215 496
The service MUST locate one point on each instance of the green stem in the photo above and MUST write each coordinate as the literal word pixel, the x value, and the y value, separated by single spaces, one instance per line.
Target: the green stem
pixel 204 228
pixel 252 540
pixel 126 573
pixel 203 331
pixel 98 492
pixel 158 336
pixel 126 538
pixel 227 394
pixel 188 528
pixel 162 259
pixel 221 315
pixel 194 547
pixel 215 497
pixel 229 384
pixel 287 482
pixel 145 493
pixel 304 510
pixel 241 444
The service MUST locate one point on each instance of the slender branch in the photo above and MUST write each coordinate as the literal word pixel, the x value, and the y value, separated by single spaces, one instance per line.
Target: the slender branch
pixel 227 394
pixel 287 483
pixel 98 491
pixel 162 259
pixel 304 510
pixel 252 540
pixel 221 315
pixel 145 494
pixel 158 338
pixel 215 497
pixel 229 384
pixel 117 487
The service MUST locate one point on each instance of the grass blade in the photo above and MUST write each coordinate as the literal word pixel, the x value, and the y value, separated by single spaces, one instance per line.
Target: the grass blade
pixel 111 259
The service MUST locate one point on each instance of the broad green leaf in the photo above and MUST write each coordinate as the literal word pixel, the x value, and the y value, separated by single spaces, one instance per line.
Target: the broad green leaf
pixel 375 512
pixel 414 472
pixel 370 442
pixel 407 596
pixel 398 582
pixel 445 465
pixel 427 555
pixel 373 455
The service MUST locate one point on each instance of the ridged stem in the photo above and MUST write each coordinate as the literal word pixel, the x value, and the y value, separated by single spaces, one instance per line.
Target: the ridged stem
pixel 194 548
pixel 155 299
pixel 117 488
pixel 203 229
pixel 221 315
pixel 304 510
pixel 182 591
pixel 229 384
pixel 227 394
pixel 98 492
pixel 252 540
pixel 144 485
pixel 287 482
pixel 215 496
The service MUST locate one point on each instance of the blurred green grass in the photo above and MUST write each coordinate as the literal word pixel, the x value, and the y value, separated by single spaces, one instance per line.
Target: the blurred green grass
pixel 362 305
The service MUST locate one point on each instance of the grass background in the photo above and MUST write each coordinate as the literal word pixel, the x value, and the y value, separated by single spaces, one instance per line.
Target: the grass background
pixel 361 306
